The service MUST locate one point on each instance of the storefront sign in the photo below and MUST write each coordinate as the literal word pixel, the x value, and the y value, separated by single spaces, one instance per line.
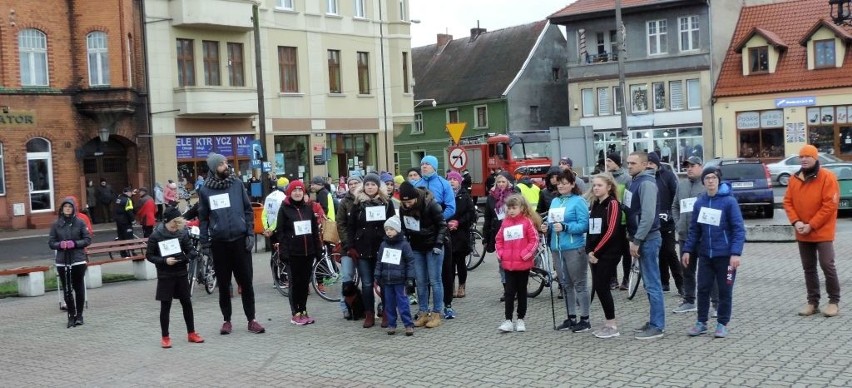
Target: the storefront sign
pixel 224 145
pixel 794 101
pixel 748 120
pixel 244 145
pixel 203 146
pixel 772 119
pixel 17 119
pixel 184 147
pixel 319 160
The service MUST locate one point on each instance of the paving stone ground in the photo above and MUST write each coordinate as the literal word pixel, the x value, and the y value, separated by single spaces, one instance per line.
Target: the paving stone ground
pixel 769 345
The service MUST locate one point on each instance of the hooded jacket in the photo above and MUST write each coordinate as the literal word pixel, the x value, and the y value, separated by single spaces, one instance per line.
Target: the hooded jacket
pixel 466 217
pixel 187 252
pixel 549 192
pixel 388 273
pixel 575 222
pixel 666 192
pixel 442 193
pixel 726 239
pixel 224 223
pixel 686 189
pixel 70 228
pixel 423 224
pixel 516 243
pixel 342 220
pixel 291 214
pixel 363 235
pixel 813 199
pixel 643 222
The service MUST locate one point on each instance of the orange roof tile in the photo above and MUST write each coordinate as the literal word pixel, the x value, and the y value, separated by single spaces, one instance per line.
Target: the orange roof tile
pixel 581 7
pixel 838 32
pixel 770 37
pixel 789 22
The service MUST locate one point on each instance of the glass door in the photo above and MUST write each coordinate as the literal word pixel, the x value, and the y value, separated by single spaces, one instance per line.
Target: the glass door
pixel 40 174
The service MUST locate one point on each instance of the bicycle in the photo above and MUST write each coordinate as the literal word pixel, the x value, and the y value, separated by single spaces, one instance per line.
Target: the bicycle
pixel 280 272
pixel 200 270
pixel 540 274
pixel 477 250
pixel 326 276
pixel 634 278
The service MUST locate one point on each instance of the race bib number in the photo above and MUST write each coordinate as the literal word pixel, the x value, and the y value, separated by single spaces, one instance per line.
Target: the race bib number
pixel 376 213
pixel 501 214
pixel 391 256
pixel 411 223
pixel 513 233
pixel 219 201
pixel 709 216
pixel 595 225
pixel 169 247
pixel 686 205
pixel 628 197
pixel 301 228
pixel 556 214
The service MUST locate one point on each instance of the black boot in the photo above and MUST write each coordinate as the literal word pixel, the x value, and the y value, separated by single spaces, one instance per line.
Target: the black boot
pixel 78 321
pixel 71 321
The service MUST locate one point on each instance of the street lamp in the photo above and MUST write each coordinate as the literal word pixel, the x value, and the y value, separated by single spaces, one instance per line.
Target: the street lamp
pixel 841 11
pixel 434 102
pixel 103 134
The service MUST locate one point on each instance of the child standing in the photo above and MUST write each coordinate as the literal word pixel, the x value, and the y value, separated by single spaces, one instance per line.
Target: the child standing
pixel 515 245
pixel 395 271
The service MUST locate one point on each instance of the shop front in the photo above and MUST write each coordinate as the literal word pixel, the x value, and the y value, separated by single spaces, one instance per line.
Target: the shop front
pixel 349 154
pixel 192 151
pixel 291 157
pixel 672 144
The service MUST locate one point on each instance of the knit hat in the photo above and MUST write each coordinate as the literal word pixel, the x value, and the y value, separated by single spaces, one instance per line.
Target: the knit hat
pixel 318 180
pixel 282 182
pixel 294 185
pixel 355 177
pixel 430 160
pixel 566 160
pixel 615 157
pixel 407 191
pixel 413 169
pixel 454 175
pixel 386 177
pixel 654 158
pixel 809 150
pixel 711 170
pixel 398 180
pixel 170 213
pixel 393 223
pixel 214 160
pixel 372 177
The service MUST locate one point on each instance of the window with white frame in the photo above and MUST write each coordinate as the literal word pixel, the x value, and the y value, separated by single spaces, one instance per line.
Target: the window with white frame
pixel 360 11
pixel 658 90
pixel 824 53
pixel 96 47
pixel 403 10
pixel 657 37
pixel 452 115
pixel 418 123
pixel 676 95
pixel 331 7
pixel 40 175
pixel 639 98
pixel 604 102
pixel 2 172
pixel 618 97
pixel 693 94
pixel 588 102
pixel 32 47
pixel 284 4
pixel 688 27
pixel 481 116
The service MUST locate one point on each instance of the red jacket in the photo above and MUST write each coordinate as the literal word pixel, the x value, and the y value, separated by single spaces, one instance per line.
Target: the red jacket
pixel 147 213
pixel 516 243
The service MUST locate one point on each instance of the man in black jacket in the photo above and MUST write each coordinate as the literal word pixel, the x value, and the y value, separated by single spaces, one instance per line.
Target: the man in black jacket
pixel 667 189
pixel 124 215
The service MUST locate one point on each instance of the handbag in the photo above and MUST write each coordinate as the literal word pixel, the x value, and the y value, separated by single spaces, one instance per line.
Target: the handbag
pixel 329 232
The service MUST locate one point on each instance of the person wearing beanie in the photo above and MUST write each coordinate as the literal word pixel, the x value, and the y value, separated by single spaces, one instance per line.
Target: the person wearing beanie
pixel 69 237
pixel 170 250
pixel 622 181
pixel 549 192
pixel 425 227
pixel 454 175
pixel 226 220
pixel 438 186
pixel 394 272
pixel 414 176
pixel 365 231
pixel 323 197
pixel 459 226
pixel 147 213
pixel 666 191
pixel 271 204
pixel 811 206
pixel 716 239
pixel 347 262
pixel 397 180
pixel 565 163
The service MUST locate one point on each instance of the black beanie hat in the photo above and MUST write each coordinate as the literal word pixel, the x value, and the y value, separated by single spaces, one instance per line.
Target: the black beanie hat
pixel 407 191
pixel 170 213
pixel 615 157
pixel 711 170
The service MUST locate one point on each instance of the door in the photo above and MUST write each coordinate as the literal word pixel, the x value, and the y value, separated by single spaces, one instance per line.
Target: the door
pixel 40 175
pixel 106 160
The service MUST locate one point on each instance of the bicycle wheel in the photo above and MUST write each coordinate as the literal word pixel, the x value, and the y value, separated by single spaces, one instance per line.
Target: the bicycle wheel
pixel 191 274
pixel 633 279
pixel 477 250
pixel 538 278
pixel 208 275
pixel 326 279
pixel 280 275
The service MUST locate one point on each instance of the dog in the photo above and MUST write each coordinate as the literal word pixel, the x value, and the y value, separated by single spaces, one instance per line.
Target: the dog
pixel 354 301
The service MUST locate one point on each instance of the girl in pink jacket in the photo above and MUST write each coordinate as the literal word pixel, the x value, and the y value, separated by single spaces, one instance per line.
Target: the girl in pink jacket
pixel 516 243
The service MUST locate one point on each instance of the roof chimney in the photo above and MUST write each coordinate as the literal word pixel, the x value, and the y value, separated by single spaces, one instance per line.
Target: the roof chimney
pixel 443 39
pixel 475 32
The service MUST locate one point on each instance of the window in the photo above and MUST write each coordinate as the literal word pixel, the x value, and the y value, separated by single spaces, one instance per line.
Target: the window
pixel 688 33
pixel 604 102
pixel 284 4
pixel 96 47
pixel 824 53
pixel 418 123
pixel 331 7
pixel 761 134
pixel 288 69
pixel 452 115
pixel 639 98
pixel 481 116
pixel 759 59
pixel 40 174
pixel 659 90
pixel 676 95
pixel 2 172
pixel 236 75
pixel 210 51
pixel 588 102
pixel 363 72
pixel 555 72
pixel 334 71
pixel 360 11
pixel 185 63
pixel 613 44
pixel 406 86
pixel 32 47
pixel 619 99
pixel 534 116
pixel 693 94
pixel 657 42
pixel 607 46
pixel 403 11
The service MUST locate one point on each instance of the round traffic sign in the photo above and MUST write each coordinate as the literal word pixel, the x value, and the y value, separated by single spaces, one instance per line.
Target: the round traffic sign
pixel 458 158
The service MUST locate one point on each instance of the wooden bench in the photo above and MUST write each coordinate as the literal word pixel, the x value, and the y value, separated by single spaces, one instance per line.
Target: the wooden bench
pixel 30 279
pixel 98 254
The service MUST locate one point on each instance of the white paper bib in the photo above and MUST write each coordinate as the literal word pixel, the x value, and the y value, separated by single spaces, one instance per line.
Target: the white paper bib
pixel 595 225
pixel 375 213
pixel 220 201
pixel 628 197
pixel 301 228
pixel 709 216
pixel 556 214
pixel 411 223
pixel 686 205
pixel 513 233
pixel 169 247
pixel 391 256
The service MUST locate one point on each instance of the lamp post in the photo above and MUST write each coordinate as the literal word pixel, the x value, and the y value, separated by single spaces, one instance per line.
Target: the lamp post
pixel 841 11
pixel 419 102
pixel 103 134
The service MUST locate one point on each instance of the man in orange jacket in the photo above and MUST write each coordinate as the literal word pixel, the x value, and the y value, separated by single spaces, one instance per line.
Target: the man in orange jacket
pixel 811 205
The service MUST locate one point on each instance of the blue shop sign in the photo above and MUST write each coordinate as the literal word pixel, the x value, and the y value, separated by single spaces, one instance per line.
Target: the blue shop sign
pixel 790 102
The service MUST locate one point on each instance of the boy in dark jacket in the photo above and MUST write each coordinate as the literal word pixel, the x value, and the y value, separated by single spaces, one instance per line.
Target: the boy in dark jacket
pixel 393 273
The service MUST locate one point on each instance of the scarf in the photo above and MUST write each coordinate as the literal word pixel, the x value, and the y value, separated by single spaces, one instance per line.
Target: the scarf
pixel 500 196
pixel 214 182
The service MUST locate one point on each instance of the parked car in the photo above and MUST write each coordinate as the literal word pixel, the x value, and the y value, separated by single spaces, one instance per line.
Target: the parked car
pixel 844 180
pixel 750 183
pixel 782 170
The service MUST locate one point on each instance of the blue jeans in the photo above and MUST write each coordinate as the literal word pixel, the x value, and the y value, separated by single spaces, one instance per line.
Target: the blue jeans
pixel 347 270
pixel 365 271
pixel 713 272
pixel 397 301
pixel 649 260
pixel 427 270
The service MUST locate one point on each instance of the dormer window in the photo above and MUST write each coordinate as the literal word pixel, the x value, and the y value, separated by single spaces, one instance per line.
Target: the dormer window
pixel 758 58
pixel 824 53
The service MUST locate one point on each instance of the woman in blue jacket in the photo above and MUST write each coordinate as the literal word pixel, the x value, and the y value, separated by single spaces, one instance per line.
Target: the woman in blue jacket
pixel 567 223
pixel 716 239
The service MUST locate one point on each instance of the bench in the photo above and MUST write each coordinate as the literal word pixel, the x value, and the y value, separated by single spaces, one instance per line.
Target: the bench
pixel 98 254
pixel 30 279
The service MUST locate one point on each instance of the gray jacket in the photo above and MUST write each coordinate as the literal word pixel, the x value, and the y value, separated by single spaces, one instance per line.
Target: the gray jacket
pixel 686 188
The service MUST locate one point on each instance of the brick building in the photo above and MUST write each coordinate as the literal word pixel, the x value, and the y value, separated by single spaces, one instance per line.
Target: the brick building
pixel 71 104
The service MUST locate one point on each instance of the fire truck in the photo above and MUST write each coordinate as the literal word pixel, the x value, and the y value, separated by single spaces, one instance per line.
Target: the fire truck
pixel 518 153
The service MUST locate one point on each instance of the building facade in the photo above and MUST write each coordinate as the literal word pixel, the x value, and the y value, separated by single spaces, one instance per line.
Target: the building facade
pixel 71 104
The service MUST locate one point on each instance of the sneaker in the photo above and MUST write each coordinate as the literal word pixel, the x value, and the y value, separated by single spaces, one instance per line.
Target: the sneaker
pixel 623 286
pixel 449 313
pixel 506 326
pixel 651 333
pixel 606 332
pixel 582 326
pixel 613 285
pixel 392 331
pixel 297 320
pixel 714 311
pixel 699 329
pixel 409 331
pixel 520 326
pixel 166 342
pixel 412 299
pixel 685 308
pixel 194 338
pixel 255 327
pixel 567 325
pixel 307 319
pixel 721 331
pixel 226 328
pixel 643 328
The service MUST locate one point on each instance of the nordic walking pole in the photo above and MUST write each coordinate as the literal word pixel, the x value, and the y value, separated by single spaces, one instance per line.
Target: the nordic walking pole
pixel 550 275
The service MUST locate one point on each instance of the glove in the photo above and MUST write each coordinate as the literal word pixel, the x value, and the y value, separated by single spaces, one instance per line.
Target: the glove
pixel 453 224
pixel 249 243
pixel 409 284
pixel 62 245
pixel 69 244
pixel 205 249
pixel 437 250
pixel 353 254
pixel 490 247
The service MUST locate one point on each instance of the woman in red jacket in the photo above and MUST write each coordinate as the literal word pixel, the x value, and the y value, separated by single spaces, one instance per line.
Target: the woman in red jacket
pixel 147 213
pixel 515 245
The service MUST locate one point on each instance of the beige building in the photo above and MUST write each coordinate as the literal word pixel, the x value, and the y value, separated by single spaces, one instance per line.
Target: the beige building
pixel 326 67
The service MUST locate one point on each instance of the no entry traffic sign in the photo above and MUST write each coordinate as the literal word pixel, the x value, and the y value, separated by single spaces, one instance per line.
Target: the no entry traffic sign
pixel 458 158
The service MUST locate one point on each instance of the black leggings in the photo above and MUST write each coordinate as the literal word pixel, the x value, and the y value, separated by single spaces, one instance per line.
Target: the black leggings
pixel 602 272
pixel 300 279
pixel 230 257
pixel 516 283
pixel 75 301
pixel 166 307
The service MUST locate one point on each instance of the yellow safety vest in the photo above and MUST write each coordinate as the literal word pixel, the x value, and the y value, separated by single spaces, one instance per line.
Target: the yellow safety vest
pixel 530 193
pixel 330 205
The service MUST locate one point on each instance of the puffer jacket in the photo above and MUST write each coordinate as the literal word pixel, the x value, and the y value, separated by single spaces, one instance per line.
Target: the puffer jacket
pixel 366 236
pixel 516 243
pixel 465 215
pixel 289 213
pixel 390 274
pixel 226 223
pixel 69 228
pixel 575 222
pixel 187 252
pixel 427 215
pixel 724 240
pixel 343 219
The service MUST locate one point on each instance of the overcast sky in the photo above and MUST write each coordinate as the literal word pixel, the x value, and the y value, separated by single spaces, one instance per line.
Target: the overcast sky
pixel 457 17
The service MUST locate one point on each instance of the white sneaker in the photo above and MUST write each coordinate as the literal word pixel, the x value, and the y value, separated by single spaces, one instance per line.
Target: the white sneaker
pixel 520 326
pixel 506 326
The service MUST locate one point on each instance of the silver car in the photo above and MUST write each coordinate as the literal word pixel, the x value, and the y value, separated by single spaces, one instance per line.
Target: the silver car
pixel 783 169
